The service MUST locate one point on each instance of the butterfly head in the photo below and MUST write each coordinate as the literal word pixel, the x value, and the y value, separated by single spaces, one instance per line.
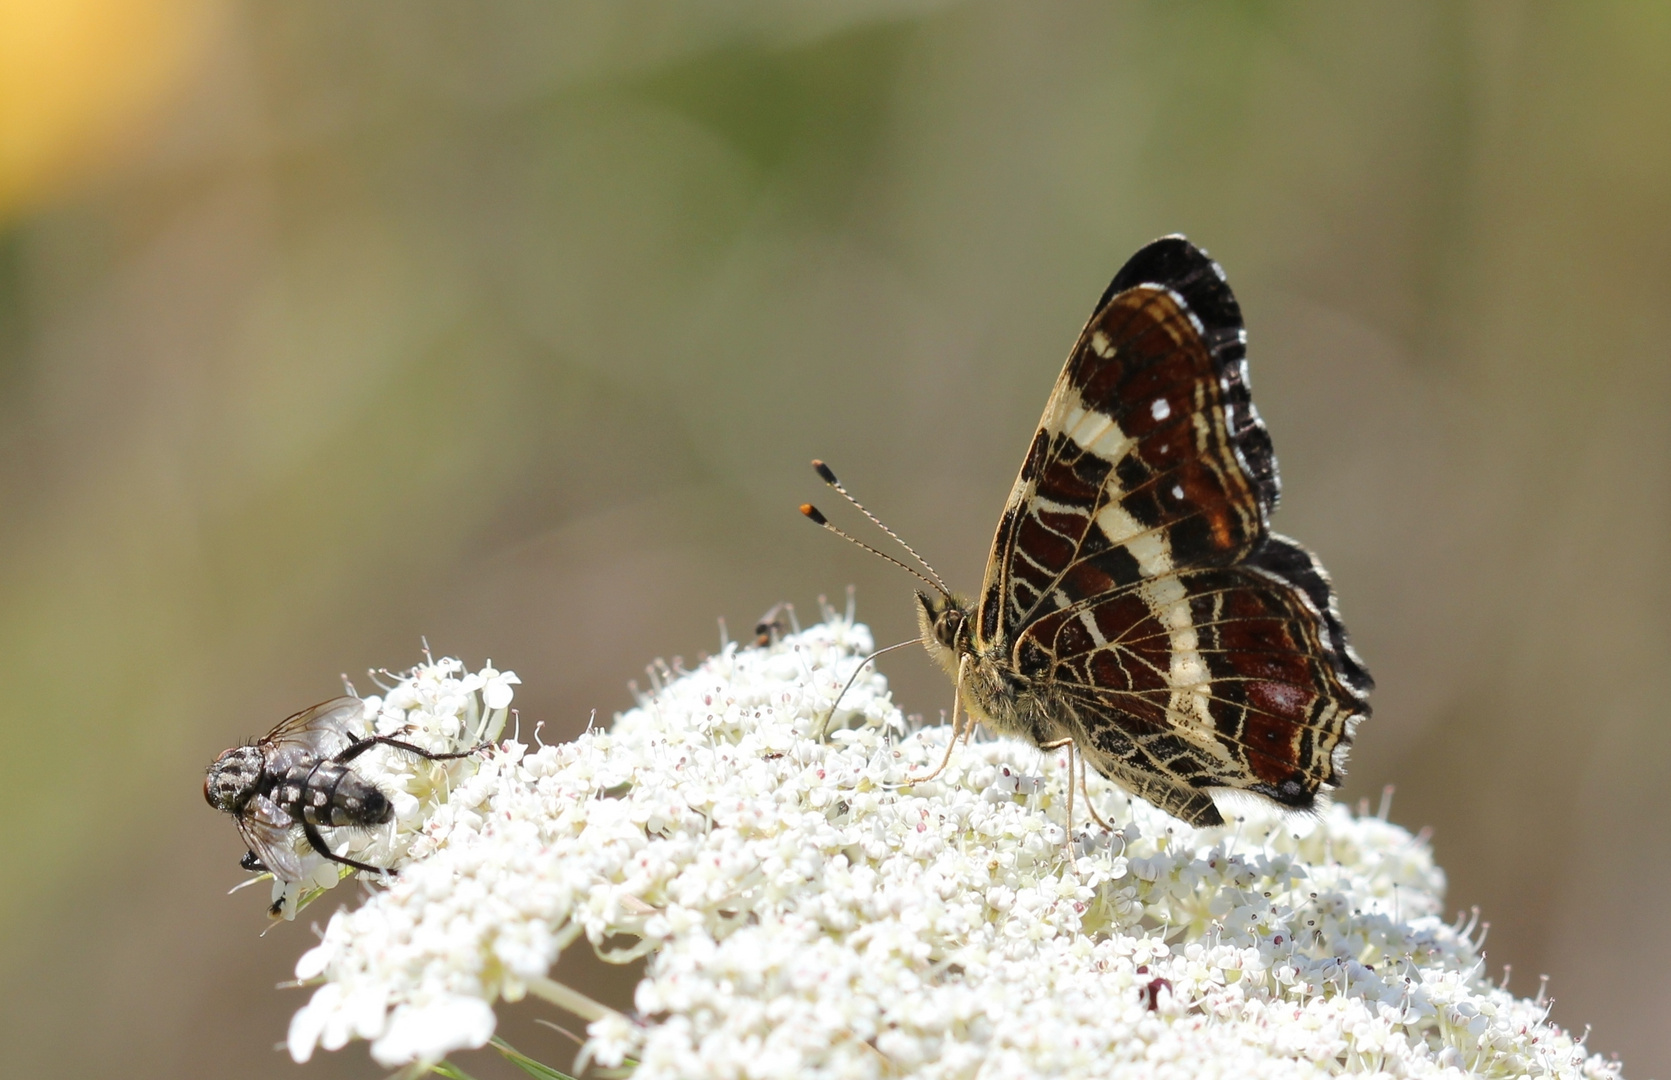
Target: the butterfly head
pixel 946 623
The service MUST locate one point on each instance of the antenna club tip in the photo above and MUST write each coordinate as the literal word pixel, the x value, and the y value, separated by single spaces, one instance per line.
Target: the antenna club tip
pixel 812 512
pixel 824 472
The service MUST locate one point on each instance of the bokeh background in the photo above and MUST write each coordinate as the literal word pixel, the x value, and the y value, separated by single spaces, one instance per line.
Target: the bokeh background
pixel 327 327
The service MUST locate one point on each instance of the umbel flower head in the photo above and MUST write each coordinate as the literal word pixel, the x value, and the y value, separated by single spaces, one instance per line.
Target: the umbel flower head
pixel 807 910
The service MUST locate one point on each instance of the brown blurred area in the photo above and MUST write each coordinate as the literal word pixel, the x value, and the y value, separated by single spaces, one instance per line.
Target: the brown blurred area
pixel 325 328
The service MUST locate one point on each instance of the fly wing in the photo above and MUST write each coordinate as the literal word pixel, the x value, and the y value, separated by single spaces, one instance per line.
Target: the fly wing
pixel 324 729
pixel 267 831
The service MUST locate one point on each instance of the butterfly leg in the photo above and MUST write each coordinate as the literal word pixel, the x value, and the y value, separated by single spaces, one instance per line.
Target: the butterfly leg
pixel 957 728
pixel 1077 779
pixel 1057 745
pixel 1090 807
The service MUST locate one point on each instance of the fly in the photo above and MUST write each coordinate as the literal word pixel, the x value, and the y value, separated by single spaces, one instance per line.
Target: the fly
pixel 298 776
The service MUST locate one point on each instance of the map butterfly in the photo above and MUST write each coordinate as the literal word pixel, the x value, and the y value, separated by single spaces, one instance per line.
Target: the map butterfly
pixel 1136 604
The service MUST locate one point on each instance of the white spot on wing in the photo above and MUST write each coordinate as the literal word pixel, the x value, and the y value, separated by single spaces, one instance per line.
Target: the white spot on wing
pixel 1160 409
pixel 1101 345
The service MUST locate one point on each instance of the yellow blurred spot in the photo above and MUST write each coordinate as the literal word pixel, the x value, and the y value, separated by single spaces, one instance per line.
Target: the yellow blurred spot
pixel 79 79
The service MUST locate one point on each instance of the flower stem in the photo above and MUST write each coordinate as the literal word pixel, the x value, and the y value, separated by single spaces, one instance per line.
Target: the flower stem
pixel 566 997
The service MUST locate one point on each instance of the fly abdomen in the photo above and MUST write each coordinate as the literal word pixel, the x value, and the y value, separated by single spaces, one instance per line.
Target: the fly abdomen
pixel 335 795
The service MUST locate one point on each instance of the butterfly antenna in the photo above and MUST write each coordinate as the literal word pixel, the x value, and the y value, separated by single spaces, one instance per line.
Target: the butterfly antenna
pixel 829 477
pixel 817 517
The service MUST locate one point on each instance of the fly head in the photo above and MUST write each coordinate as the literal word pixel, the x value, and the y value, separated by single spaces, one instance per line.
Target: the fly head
pixel 233 778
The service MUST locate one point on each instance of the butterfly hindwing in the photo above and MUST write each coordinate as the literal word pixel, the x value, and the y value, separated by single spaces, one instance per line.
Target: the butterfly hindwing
pixel 1214 677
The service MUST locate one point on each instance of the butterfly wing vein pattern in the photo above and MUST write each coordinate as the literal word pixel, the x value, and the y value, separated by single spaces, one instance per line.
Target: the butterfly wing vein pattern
pixel 1136 600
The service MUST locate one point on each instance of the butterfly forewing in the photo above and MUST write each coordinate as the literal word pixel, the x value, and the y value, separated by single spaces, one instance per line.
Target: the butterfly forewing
pixel 1134 588
pixel 1132 472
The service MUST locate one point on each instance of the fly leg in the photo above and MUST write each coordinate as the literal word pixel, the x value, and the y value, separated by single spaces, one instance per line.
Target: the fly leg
pixel 311 831
pixel 360 746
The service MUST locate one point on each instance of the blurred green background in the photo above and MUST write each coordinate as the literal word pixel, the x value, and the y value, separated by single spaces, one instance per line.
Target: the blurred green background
pixel 324 327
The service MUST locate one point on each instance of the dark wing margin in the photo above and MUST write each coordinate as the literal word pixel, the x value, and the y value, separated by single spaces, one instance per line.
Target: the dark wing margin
pixel 1291 562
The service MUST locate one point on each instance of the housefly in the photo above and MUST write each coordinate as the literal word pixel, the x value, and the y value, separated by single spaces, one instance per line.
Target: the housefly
pixel 298 776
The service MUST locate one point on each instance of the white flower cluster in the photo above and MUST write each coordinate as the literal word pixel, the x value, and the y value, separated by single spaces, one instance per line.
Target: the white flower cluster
pixel 809 912
pixel 439 707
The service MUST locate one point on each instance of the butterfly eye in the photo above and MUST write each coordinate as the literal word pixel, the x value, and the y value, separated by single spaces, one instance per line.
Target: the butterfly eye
pixel 947 626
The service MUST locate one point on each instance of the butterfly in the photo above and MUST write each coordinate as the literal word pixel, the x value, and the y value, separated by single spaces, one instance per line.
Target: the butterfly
pixel 1136 605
